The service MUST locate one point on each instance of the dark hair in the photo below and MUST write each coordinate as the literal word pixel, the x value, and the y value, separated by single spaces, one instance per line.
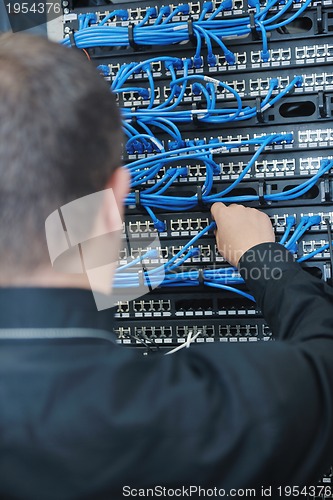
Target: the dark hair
pixel 60 139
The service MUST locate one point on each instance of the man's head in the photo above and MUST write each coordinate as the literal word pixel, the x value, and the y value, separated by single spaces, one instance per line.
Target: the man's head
pixel 60 140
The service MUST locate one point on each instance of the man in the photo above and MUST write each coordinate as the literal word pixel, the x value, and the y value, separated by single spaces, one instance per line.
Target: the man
pixel 84 418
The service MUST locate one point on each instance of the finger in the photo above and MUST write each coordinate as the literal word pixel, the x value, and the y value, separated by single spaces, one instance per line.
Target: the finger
pixel 217 209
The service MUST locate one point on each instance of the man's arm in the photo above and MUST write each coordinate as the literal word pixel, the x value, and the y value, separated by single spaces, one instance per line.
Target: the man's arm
pixel 239 415
pixel 299 309
pixel 293 302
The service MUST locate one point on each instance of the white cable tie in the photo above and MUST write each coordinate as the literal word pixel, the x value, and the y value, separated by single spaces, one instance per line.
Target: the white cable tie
pixel 212 80
pixel 199 111
pixel 218 150
pixel 180 27
pixel 155 141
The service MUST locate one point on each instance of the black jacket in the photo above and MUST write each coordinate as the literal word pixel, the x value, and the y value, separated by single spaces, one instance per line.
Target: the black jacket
pixel 85 418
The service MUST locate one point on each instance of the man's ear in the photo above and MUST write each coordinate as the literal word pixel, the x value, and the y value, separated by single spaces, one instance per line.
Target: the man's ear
pixel 119 182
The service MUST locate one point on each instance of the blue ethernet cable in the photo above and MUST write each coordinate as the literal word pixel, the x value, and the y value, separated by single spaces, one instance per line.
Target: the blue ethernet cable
pixel 122 14
pixel 193 252
pixel 179 9
pixel 302 227
pixel 169 63
pixel 173 90
pixel 142 171
pixel 178 203
pixel 139 90
pixel 244 172
pixel 225 278
pixel 154 274
pixel 139 168
pixel 212 114
pixel 150 254
pixel 150 14
pixel 314 253
pixel 164 11
pixel 289 20
pixel 231 289
pixel 225 5
pixel 291 221
pixel 135 67
pixel 297 191
pixel 306 223
pixel 165 31
pixel 202 152
pixel 159 146
pixel 206 8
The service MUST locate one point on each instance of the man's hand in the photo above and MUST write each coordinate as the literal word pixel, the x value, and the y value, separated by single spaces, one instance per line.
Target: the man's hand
pixel 240 228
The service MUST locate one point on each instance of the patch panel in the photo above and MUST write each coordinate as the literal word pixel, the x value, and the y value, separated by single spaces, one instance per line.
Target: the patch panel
pixel 137 13
pixel 140 226
pixel 255 56
pixel 284 82
pixel 136 252
pixel 190 304
pixel 318 80
pixel 309 246
pixel 279 220
pixel 196 170
pixel 238 330
pixel 225 331
pixel 232 168
pixel 122 332
pixel 188 224
pixel 239 85
pixel 327 478
pixel 314 52
pixel 275 167
pixel 122 307
pixel 154 332
pixel 208 255
pixel 315 136
pixel 183 228
pixel 249 60
pixel 238 5
pixel 231 331
pixel 123 254
pixel 275 54
pixel 160 305
pixel 259 85
pixel 241 58
pixel 131 98
pixel 184 331
pixel 325 216
pixel 310 52
pixel 310 164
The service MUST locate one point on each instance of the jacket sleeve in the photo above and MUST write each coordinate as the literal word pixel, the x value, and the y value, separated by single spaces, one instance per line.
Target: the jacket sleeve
pixel 244 415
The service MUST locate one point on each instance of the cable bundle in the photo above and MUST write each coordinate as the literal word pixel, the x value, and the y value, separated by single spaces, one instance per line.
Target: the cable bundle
pixel 151 167
pixel 210 28
pixel 174 110
pixel 224 278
